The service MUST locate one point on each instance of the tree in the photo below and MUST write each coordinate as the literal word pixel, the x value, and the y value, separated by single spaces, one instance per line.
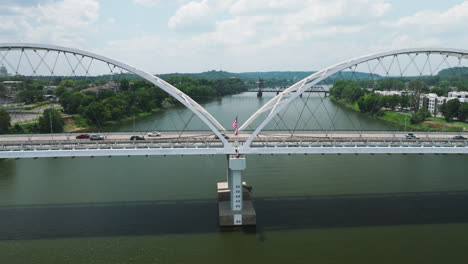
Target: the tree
pixel 370 103
pixel 30 96
pixel 4 121
pixel 3 90
pixel 450 109
pixel 463 112
pixel 96 113
pixel 440 91
pixel 420 116
pixel 124 85
pixel 417 87
pixel 51 122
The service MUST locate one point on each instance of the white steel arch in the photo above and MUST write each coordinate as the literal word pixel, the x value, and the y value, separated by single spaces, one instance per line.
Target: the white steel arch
pixel 206 117
pixel 280 101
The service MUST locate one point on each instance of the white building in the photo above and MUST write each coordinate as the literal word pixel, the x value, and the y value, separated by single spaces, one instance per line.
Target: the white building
pixel 461 96
pixel 433 103
pixel 389 92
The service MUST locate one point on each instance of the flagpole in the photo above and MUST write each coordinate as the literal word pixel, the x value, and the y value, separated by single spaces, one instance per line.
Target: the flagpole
pixel 236 134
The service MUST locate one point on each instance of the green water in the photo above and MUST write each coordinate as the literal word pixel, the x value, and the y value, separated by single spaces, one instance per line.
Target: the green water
pixel 314 208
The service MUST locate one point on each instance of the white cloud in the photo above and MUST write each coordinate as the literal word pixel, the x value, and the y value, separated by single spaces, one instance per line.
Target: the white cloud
pixel 195 15
pixel 147 2
pixel 64 22
pixel 455 15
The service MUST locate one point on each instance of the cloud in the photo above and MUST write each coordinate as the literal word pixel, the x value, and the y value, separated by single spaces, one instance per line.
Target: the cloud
pixel 147 2
pixel 65 22
pixel 197 15
pixel 455 15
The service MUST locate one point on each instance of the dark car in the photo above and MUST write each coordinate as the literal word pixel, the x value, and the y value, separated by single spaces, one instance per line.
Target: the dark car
pixel 222 134
pixel 83 136
pixel 411 136
pixel 459 137
pixel 137 138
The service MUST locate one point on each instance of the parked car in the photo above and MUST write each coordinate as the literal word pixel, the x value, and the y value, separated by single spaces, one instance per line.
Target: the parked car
pixel 137 138
pixel 83 136
pixel 96 137
pixel 224 135
pixel 410 136
pixel 459 137
pixel 153 134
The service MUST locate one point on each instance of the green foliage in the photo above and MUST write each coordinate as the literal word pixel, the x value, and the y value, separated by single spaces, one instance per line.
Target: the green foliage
pixel 4 121
pixel 440 91
pixel 17 129
pixel 3 90
pixel 390 101
pixel 97 113
pixel 450 109
pixel 417 87
pixel 420 116
pixel 370 103
pixel 390 84
pixel 30 96
pixel 463 112
pixel 51 122
pixel 350 91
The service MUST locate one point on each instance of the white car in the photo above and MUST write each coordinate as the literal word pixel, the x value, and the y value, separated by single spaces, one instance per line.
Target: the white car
pixel 153 134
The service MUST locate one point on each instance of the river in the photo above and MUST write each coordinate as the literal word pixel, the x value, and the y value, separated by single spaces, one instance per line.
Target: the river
pixel 310 208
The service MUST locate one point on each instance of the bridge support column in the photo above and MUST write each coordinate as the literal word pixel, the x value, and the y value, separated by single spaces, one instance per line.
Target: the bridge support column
pixel 234 204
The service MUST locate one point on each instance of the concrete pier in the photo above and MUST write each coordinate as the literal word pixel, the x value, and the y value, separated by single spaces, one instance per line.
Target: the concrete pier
pixel 235 207
pixel 227 217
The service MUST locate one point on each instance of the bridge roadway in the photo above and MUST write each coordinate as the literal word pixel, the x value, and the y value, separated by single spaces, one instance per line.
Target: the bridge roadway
pixel 204 143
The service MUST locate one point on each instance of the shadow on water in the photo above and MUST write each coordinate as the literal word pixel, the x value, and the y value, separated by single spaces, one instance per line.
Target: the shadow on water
pixel 7 171
pixel 200 216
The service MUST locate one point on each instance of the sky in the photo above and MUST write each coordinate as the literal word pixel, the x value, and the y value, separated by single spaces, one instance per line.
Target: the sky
pixel 165 36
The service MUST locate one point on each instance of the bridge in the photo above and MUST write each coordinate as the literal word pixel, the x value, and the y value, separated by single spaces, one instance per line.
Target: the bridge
pixel 325 89
pixel 253 137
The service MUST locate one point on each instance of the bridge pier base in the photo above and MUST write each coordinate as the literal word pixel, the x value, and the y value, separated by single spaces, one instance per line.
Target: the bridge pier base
pixel 234 205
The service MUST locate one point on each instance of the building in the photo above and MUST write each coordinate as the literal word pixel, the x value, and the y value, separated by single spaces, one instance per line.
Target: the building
pixel 385 93
pixel 46 89
pixel 111 86
pixel 461 96
pixel 433 103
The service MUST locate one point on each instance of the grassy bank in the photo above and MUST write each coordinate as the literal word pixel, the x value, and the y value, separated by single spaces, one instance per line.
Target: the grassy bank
pixel 402 120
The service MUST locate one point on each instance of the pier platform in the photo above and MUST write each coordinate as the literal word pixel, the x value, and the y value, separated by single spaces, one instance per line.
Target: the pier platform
pixel 227 217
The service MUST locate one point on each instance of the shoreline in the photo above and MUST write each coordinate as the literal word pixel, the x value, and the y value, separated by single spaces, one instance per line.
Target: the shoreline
pixel 400 118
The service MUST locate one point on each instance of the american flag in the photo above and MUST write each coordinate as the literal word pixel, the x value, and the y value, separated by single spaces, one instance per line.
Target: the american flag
pixel 234 126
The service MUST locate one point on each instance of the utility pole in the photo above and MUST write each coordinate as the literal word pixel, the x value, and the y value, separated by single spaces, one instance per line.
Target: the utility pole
pixel 50 121
pixel 405 121
pixel 133 123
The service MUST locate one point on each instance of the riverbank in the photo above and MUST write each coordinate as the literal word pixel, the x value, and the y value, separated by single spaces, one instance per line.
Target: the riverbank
pixel 402 120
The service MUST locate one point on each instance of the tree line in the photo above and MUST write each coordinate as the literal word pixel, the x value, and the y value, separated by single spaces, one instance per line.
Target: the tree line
pixel 373 103
pixel 98 108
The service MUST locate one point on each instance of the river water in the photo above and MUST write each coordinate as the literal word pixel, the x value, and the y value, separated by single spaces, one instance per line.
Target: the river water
pixel 310 208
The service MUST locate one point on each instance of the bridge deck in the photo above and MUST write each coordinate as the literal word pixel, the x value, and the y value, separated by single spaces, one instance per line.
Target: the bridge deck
pixel 202 143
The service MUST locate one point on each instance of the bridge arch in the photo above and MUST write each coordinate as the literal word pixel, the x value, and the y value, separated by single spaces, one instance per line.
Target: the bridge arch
pixel 183 98
pixel 283 99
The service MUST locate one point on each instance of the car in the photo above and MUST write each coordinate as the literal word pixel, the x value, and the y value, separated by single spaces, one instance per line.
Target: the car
pixel 222 134
pixel 459 137
pixel 96 137
pixel 153 134
pixel 137 138
pixel 410 136
pixel 83 136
